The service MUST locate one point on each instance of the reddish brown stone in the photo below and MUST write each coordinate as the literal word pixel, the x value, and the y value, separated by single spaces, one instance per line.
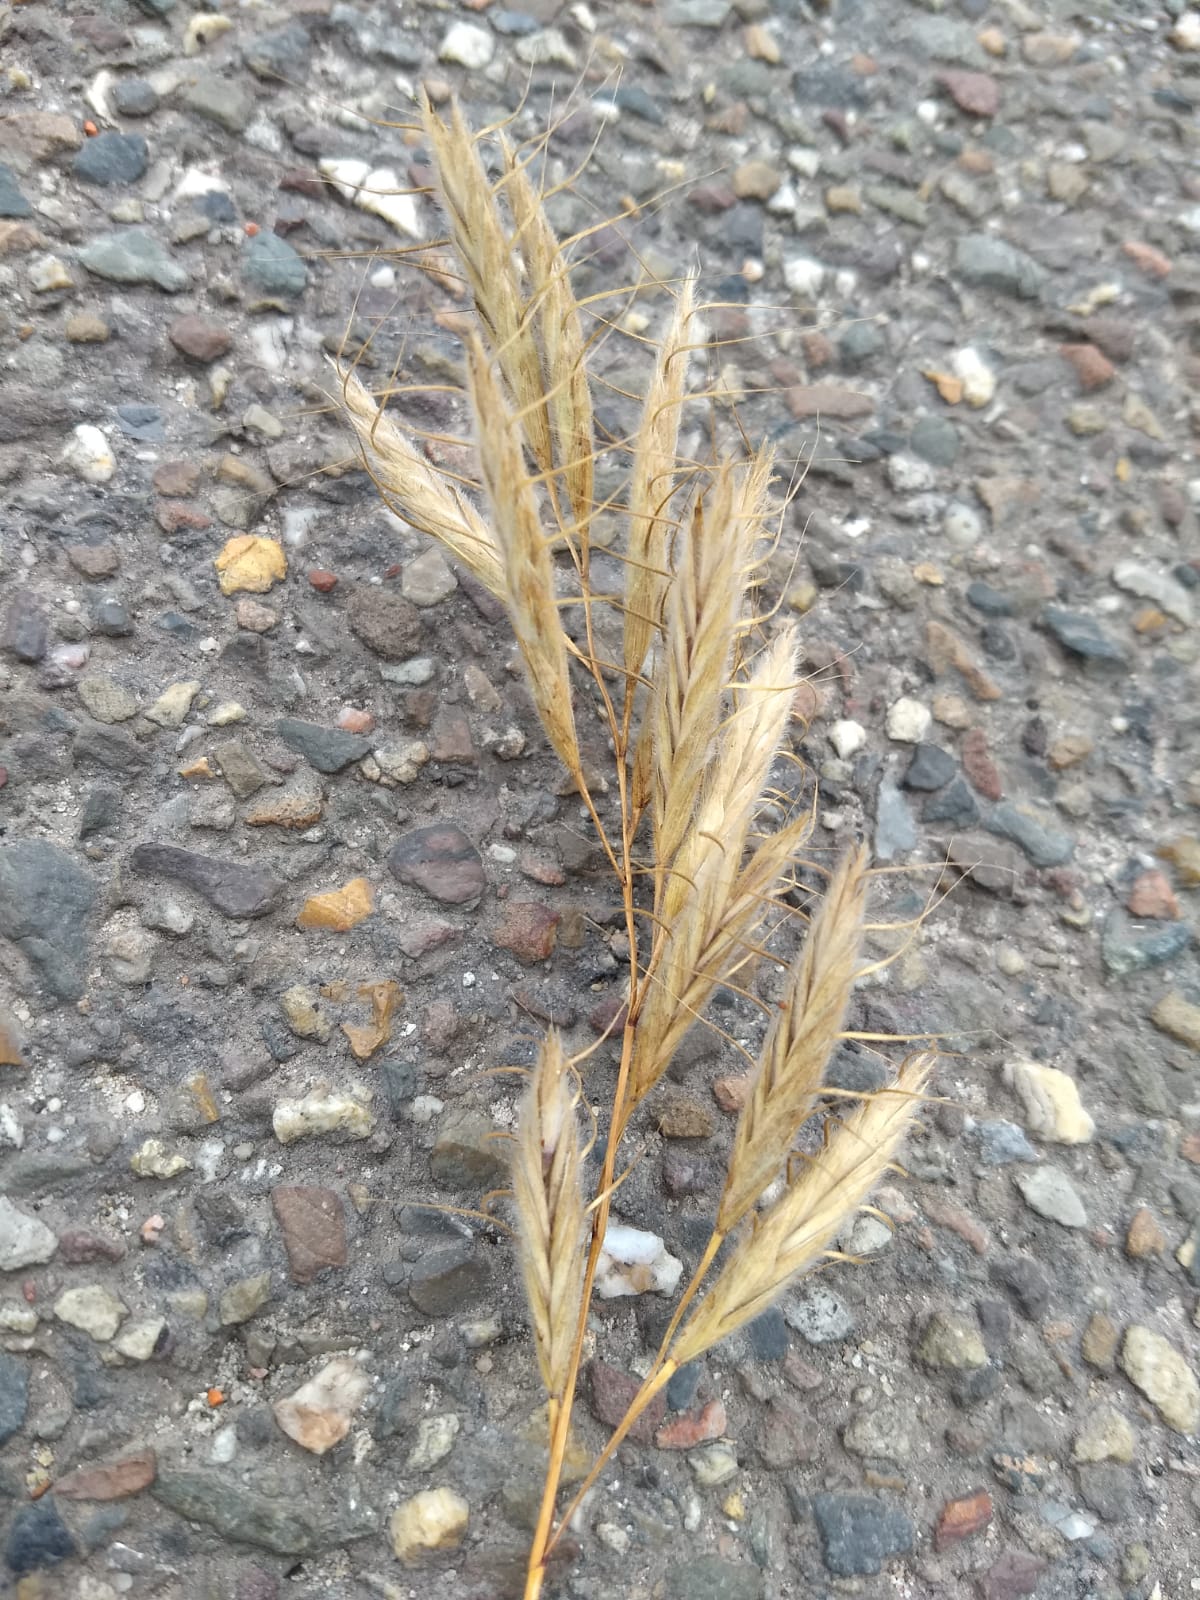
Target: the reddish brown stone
pixel 177 478
pixel 977 93
pixel 199 338
pixel 94 561
pixel 787 1435
pixel 1145 1237
pixel 731 1093
pixel 828 400
pixel 1092 368
pixel 1012 1576
pixel 982 772
pixel 961 1518
pixel 115 1481
pixel 452 741
pixel 171 515
pixel 322 581
pixel 81 1246
pixel 694 1427
pixel 313 1224
pixel 1152 896
pixel 612 1394
pixel 957 1220
pixel 1147 259
pixel 1189 1148
pixel 711 198
pixel 529 930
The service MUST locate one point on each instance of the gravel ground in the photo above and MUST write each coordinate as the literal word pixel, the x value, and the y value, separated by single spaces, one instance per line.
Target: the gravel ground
pixel 235 1359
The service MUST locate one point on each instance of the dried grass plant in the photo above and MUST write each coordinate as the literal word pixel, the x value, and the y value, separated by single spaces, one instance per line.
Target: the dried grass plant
pixel 697 707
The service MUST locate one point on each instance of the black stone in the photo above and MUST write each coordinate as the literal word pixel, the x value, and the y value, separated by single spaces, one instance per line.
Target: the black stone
pixel 326 749
pixel 859 1532
pixel 46 899
pixel 447 1280
pixel 930 768
pixel 14 1395
pixel 769 1336
pixel 681 1391
pixel 988 600
pixel 134 97
pixel 1082 636
pixel 234 888
pixel 1027 1281
pixel 111 158
pixel 955 803
pixel 38 1537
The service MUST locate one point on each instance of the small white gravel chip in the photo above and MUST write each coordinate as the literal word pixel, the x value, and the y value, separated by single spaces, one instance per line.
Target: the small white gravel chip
pixel 467 45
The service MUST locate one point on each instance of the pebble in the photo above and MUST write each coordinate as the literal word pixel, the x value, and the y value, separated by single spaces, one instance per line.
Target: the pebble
pixel 272 267
pixel 93 1309
pixel 951 1343
pixel 152 1159
pixel 37 1538
pixel 112 158
pixel 1051 1194
pixel 313 1223
pixel 428 580
pixel 319 1414
pixel 287 1525
pixel 908 721
pixel 466 1155
pixel 321 1112
pixel 46 900
pixel 1105 1436
pixel 244 1299
pixel 984 262
pixel 713 1464
pixel 329 750
pixel 818 1316
pixel 859 1532
pixel 441 861
pixel 1156 1368
pixel 434 1519
pixel 633 1261
pixel 131 257
pixel 231 887
pixel 25 1241
pixel 1053 1109
pixel 1082 636
pixel 467 45
pixel 1178 1017
pixel 1127 946
pixel 89 455
pixel 1003 1142
pixel 340 909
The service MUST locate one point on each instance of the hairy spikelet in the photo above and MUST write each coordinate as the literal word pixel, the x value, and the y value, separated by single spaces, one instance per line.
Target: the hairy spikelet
pixel 551 1220
pixel 702 613
pixel 655 467
pixel 793 1059
pixel 412 488
pixel 555 316
pixel 793 1235
pixel 711 908
pixel 525 552
pixel 485 251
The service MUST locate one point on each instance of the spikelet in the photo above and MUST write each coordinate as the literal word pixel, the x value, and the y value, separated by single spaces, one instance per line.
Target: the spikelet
pixel 555 314
pixel 485 252
pixel 551 1220
pixel 525 552
pixel 412 488
pixel 792 1236
pixel 710 908
pixel 655 465
pixel 793 1058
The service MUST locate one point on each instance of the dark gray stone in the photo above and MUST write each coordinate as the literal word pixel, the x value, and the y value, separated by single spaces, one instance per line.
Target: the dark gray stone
pixel 930 768
pixel 1003 1142
pixel 221 101
pixel 956 803
pixel 859 1532
pixel 112 158
pixel 46 899
pixel 286 1527
pixel 282 54
pixel 1045 847
pixel 272 267
pixel 710 1578
pixel 327 749
pixel 14 1395
pixel 1028 1283
pixel 234 888
pixel 97 745
pixel 25 633
pixel 936 440
pixel 447 1280
pixel 989 601
pixel 134 97
pixel 38 1537
pixel 12 202
pixel 984 262
pixel 1128 946
pixel 1082 636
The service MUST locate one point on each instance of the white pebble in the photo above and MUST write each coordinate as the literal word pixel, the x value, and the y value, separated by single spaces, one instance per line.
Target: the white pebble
pixel 908 721
pixel 803 276
pixel 467 46
pixel 846 737
pixel 978 379
pixel 89 455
